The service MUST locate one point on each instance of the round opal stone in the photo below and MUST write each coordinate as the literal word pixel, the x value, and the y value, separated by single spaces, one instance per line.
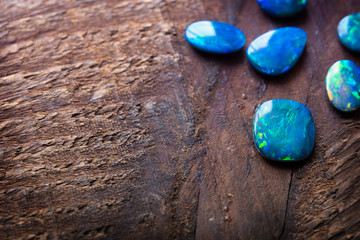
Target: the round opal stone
pixel 277 51
pixel 282 8
pixel 343 85
pixel 284 130
pixel 349 32
pixel 215 37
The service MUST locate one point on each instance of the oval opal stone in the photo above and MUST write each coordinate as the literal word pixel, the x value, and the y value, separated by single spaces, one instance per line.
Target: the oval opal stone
pixel 343 85
pixel 284 130
pixel 349 32
pixel 282 8
pixel 277 51
pixel 215 37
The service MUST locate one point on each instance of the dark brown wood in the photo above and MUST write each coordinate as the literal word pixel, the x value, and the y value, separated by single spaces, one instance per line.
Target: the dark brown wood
pixel 113 127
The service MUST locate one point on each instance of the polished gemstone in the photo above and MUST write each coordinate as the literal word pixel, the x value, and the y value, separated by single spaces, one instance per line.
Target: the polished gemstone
pixel 349 32
pixel 343 85
pixel 282 8
pixel 277 51
pixel 284 130
pixel 215 37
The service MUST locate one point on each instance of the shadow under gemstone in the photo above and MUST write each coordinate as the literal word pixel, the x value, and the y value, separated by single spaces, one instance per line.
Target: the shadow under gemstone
pixel 350 52
pixel 353 115
pixel 291 164
pixel 228 59
pixel 298 19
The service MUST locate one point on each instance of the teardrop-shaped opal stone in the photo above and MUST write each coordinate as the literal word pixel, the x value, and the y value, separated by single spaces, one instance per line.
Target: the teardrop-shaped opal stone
pixel 349 32
pixel 282 8
pixel 343 85
pixel 277 51
pixel 215 37
pixel 284 130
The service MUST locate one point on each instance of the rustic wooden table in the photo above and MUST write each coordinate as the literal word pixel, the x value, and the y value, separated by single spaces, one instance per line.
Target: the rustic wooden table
pixel 113 127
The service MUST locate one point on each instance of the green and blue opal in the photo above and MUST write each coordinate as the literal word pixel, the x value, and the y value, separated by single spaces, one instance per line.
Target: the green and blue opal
pixel 215 37
pixel 349 32
pixel 284 130
pixel 343 85
pixel 277 51
pixel 282 8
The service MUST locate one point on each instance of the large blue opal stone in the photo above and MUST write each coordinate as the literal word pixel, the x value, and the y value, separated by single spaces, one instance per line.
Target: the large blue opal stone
pixel 277 51
pixel 343 85
pixel 349 32
pixel 215 37
pixel 284 130
pixel 282 8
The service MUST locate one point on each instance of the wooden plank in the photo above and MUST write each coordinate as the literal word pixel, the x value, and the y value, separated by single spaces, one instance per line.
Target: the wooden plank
pixel 113 127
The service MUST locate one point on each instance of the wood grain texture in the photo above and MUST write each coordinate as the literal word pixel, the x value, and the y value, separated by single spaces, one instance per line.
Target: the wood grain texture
pixel 113 127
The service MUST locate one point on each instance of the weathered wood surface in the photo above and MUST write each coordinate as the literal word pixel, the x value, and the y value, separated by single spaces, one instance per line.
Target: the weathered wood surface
pixel 112 127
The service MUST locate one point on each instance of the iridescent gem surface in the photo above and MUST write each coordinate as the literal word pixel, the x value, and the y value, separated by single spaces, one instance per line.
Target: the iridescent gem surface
pixel 215 37
pixel 343 85
pixel 277 51
pixel 282 8
pixel 349 32
pixel 284 130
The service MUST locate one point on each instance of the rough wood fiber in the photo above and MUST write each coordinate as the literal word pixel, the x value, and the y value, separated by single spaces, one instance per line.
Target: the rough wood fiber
pixel 112 127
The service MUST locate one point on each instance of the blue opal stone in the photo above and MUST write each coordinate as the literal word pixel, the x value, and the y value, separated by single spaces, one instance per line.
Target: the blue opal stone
pixel 277 51
pixel 282 8
pixel 215 37
pixel 284 130
pixel 349 32
pixel 343 85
